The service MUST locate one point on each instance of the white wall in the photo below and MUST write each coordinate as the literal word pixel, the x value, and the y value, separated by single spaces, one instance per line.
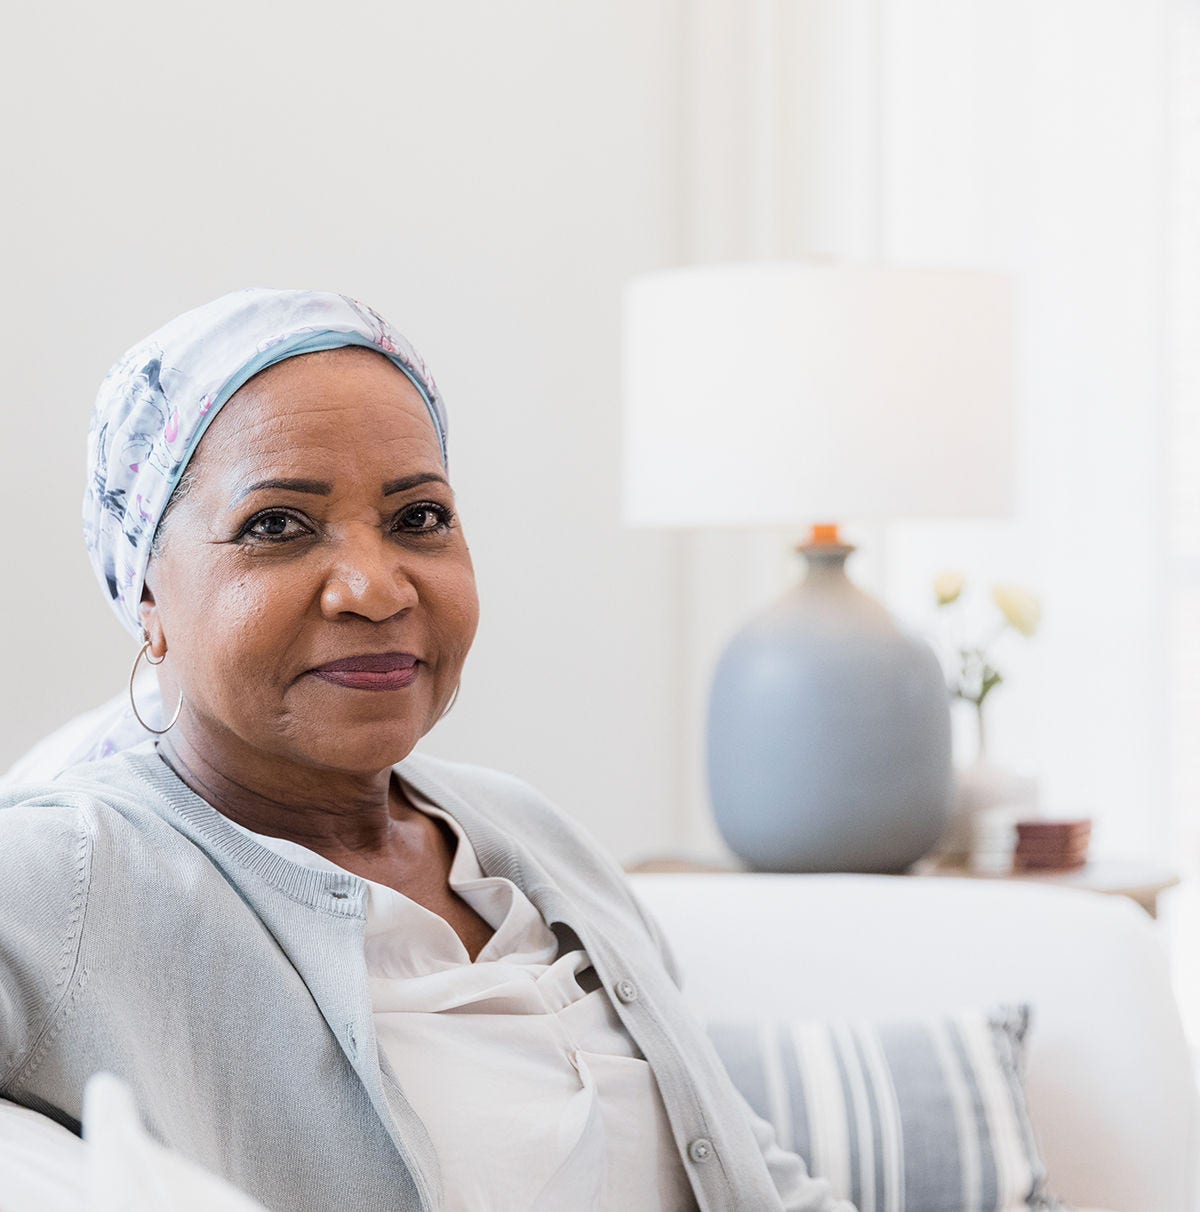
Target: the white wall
pixel 1031 137
pixel 486 175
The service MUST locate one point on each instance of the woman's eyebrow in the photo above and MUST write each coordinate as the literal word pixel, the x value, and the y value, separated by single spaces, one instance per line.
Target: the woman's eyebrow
pixel 407 482
pixel 318 488
pixel 322 488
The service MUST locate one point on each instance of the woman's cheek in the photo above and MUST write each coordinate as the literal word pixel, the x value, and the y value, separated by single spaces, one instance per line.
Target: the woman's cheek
pixel 247 619
pixel 460 616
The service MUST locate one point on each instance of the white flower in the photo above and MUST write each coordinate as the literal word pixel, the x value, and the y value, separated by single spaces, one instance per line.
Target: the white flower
pixel 1019 606
pixel 948 587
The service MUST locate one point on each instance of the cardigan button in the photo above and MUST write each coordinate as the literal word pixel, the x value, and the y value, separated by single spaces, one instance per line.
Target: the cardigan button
pixel 627 991
pixel 700 1150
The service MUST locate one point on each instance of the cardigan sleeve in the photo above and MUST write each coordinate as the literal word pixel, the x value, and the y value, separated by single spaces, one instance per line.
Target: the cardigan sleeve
pixel 670 963
pixel 45 855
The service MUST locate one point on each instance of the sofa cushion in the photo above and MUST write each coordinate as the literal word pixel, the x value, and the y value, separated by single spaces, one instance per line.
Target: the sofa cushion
pixel 919 1114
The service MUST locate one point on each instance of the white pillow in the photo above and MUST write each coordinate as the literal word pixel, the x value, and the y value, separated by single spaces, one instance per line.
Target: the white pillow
pixel 91 735
pixel 117 1167
pixel 128 1171
pixel 44 1165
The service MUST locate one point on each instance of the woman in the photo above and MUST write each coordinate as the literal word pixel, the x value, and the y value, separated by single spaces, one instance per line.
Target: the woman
pixel 334 971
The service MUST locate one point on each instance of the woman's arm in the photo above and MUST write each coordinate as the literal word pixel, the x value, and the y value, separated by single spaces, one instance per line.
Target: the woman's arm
pixel 45 862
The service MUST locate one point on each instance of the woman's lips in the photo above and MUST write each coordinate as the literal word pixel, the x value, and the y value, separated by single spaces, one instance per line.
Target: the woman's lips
pixel 374 671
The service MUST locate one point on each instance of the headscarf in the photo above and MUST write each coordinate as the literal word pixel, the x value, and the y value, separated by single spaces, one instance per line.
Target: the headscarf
pixel 151 412
pixel 156 402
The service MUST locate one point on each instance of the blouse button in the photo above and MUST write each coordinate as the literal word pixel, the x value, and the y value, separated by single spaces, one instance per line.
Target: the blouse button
pixel 700 1150
pixel 627 991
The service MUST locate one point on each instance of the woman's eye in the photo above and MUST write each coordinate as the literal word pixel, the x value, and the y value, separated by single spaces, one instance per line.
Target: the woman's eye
pixel 274 526
pixel 426 517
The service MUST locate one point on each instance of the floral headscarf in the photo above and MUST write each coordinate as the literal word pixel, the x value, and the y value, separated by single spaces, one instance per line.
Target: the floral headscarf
pixel 156 402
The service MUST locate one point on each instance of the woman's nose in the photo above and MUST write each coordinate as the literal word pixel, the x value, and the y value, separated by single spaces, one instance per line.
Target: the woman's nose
pixel 368 578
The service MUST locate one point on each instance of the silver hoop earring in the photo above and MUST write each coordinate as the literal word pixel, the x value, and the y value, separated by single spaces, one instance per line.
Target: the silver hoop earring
pixel 453 700
pixel 133 674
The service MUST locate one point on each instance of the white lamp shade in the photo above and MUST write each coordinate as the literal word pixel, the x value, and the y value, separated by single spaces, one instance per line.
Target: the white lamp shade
pixel 778 393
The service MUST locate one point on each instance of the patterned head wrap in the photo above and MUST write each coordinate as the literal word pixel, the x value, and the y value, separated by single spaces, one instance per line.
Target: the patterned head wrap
pixel 156 402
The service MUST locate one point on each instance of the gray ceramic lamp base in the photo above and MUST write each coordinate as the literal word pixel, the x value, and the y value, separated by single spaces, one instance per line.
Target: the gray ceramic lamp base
pixel 829 733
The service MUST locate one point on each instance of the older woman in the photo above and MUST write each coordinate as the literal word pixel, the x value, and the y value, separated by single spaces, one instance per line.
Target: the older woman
pixel 338 973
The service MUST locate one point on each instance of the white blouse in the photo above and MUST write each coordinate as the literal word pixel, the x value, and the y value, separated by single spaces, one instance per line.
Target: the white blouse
pixel 534 1094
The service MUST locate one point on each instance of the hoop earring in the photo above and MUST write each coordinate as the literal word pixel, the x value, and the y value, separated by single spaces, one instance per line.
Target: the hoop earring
pixel 133 674
pixel 453 700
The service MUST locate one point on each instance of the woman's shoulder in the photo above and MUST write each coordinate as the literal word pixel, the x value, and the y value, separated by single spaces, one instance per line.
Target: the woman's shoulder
pixel 38 814
pixel 521 813
pixel 506 799
pixel 45 835
pixel 466 776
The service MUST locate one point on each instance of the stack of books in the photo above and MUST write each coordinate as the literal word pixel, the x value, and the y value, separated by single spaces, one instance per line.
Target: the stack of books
pixel 1052 845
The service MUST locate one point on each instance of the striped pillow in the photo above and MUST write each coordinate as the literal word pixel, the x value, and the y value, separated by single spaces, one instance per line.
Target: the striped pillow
pixel 918 1115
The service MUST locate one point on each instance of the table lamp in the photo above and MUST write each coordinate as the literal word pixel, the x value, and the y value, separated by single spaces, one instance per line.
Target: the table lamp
pixel 778 393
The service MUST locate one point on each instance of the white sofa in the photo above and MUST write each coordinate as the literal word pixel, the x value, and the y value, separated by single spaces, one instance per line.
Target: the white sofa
pixel 1110 1081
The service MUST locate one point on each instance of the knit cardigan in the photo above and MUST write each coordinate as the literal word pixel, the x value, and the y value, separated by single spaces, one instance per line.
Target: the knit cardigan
pixel 143 934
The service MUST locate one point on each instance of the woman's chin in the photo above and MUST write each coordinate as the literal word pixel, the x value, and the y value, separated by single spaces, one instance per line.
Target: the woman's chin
pixel 363 747
pixel 356 729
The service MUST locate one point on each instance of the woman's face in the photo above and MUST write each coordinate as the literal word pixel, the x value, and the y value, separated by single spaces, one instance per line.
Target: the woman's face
pixel 318 526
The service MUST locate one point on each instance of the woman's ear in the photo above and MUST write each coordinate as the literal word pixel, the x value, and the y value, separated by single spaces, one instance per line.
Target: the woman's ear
pixel 152 623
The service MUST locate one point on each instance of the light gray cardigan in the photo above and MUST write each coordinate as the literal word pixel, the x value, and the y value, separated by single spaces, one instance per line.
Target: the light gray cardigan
pixel 142 933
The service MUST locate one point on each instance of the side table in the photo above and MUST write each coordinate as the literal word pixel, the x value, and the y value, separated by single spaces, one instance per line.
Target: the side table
pixel 1142 882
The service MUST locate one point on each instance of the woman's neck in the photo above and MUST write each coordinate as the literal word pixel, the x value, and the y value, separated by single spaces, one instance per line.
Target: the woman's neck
pixel 336 813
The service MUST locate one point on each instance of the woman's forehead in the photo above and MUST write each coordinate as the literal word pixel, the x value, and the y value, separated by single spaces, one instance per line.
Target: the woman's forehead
pixel 350 378
pixel 310 415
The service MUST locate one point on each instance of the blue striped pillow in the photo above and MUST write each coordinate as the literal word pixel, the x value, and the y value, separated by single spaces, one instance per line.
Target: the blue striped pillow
pixel 917 1115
